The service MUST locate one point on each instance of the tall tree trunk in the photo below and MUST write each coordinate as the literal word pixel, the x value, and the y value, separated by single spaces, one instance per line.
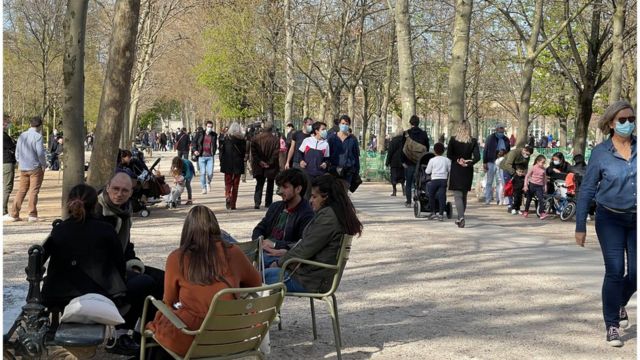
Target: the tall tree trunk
pixel 562 120
pixel 365 118
pixel 75 24
pixel 386 88
pixel 617 54
pixel 351 106
pixel 288 99
pixel 458 68
pixel 525 102
pixel 115 91
pixel 631 82
pixel 405 62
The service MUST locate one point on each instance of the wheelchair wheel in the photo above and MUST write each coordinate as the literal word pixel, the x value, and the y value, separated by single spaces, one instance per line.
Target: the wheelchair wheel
pixel 449 210
pixel 145 213
pixel 568 211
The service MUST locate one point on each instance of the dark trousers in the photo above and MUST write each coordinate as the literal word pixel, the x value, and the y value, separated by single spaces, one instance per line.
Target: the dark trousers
pixel 8 174
pixel 139 286
pixel 183 154
pixel 617 236
pixel 538 190
pixel 518 185
pixel 231 184
pixel 409 172
pixel 437 195
pixel 257 196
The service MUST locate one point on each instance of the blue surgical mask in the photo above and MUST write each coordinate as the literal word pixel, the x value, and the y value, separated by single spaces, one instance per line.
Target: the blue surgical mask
pixel 500 135
pixel 309 128
pixel 323 134
pixel 344 128
pixel 624 130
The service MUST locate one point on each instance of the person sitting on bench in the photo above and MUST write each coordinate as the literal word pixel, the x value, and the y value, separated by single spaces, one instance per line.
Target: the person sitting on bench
pixel 84 255
pixel 114 206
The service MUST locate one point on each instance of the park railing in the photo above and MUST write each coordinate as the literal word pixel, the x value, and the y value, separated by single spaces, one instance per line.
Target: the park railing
pixel 373 169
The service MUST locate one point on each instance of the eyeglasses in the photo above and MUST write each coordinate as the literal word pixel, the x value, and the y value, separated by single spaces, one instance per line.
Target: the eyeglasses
pixel 623 120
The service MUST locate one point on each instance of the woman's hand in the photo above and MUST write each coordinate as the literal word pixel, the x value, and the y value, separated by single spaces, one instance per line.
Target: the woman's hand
pixel 462 162
pixel 274 264
pixel 276 252
pixel 303 164
pixel 557 171
pixel 323 165
pixel 581 237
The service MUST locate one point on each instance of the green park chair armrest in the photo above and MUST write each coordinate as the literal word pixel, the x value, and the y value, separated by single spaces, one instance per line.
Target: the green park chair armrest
pixel 306 262
pixel 166 311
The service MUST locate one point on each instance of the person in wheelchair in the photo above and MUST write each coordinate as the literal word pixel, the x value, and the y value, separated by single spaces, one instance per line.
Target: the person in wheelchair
pixel 84 255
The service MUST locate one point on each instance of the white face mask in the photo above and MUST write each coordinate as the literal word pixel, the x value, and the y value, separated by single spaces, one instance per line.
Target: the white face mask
pixel 209 129
pixel 556 162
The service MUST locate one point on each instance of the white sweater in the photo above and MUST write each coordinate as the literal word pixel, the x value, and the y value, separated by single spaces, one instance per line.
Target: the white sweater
pixel 439 168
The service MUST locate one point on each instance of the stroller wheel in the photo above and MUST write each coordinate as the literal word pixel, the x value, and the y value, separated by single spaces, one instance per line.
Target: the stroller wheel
pixel 449 210
pixel 417 208
pixel 144 213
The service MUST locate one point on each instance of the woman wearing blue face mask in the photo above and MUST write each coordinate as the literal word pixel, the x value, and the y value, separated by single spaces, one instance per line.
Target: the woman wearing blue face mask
pixel 611 180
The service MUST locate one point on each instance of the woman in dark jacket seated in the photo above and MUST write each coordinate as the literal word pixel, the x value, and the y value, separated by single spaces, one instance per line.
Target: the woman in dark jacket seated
pixel 84 254
pixel 321 239
pixel 557 170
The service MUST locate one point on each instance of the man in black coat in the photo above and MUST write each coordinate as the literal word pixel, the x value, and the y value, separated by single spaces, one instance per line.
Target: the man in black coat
pixel 394 161
pixel 182 144
pixel 420 136
pixel 8 164
pixel 495 142
pixel 114 207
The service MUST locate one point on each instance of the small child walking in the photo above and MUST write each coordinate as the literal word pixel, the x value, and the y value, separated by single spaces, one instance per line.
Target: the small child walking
pixel 439 168
pixel 535 182
pixel 518 185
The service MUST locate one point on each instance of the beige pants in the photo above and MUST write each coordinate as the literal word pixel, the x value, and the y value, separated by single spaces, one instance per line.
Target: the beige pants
pixel 29 181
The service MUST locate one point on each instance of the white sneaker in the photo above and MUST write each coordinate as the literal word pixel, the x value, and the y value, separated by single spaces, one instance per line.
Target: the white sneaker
pixel 9 218
pixel 204 190
pixel 209 187
pixel 33 219
pixel 514 212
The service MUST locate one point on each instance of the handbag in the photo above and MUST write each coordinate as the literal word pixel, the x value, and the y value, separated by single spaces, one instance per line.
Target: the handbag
pixel 508 188
pixel 356 181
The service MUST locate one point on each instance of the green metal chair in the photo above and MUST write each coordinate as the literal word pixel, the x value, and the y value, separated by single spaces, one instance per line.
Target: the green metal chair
pixel 329 296
pixel 252 250
pixel 231 329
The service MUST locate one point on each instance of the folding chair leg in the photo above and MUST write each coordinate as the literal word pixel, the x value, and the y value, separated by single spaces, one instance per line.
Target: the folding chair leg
pixel 313 319
pixel 280 322
pixel 335 307
pixel 334 321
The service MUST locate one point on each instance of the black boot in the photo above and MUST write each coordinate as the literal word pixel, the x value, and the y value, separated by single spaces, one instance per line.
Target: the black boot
pixel 402 189
pixel 394 190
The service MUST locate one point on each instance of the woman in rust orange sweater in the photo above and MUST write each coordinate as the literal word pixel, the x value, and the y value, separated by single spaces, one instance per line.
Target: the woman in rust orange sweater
pixel 195 272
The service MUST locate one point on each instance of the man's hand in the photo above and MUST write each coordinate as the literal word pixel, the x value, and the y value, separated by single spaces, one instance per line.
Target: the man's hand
pixel 196 153
pixel 263 164
pixel 581 237
pixel 268 244
pixel 274 264
pixel 323 165
pixel 303 164
pixel 275 252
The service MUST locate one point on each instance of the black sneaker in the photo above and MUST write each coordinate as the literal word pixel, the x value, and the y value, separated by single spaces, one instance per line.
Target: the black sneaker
pixel 624 318
pixel 123 345
pixel 613 336
pixel 460 222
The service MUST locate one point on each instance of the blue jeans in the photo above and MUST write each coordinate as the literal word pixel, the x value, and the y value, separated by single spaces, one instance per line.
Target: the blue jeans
pixel 437 195
pixel 272 276
pixel 409 172
pixel 488 190
pixel 205 164
pixel 617 235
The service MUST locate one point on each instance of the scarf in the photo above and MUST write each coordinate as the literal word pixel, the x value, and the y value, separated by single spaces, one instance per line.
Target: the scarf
pixel 122 216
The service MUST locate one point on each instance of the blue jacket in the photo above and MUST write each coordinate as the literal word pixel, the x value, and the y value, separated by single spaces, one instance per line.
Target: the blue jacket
pixel 490 151
pixel 344 154
pixel 610 179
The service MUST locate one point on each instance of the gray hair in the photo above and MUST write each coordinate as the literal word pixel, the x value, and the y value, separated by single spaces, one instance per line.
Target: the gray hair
pixel 610 114
pixel 235 130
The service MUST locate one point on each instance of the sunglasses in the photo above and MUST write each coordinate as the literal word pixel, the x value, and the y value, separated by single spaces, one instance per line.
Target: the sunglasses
pixel 623 120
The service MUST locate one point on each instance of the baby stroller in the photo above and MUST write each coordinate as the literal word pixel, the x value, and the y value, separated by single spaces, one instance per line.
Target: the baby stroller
pixel 148 191
pixel 420 194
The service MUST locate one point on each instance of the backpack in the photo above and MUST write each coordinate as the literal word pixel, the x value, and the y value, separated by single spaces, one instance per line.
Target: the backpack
pixel 412 149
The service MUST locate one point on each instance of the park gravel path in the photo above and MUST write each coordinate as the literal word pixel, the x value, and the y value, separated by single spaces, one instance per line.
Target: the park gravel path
pixel 504 287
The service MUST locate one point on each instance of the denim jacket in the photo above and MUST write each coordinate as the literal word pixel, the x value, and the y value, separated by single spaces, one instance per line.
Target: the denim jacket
pixel 610 179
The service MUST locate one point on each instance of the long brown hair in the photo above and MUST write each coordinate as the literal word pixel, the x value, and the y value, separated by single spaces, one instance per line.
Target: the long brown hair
pixel 200 234
pixel 339 201
pixel 177 166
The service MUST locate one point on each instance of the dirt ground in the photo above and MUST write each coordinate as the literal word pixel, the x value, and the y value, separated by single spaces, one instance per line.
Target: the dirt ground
pixel 504 287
